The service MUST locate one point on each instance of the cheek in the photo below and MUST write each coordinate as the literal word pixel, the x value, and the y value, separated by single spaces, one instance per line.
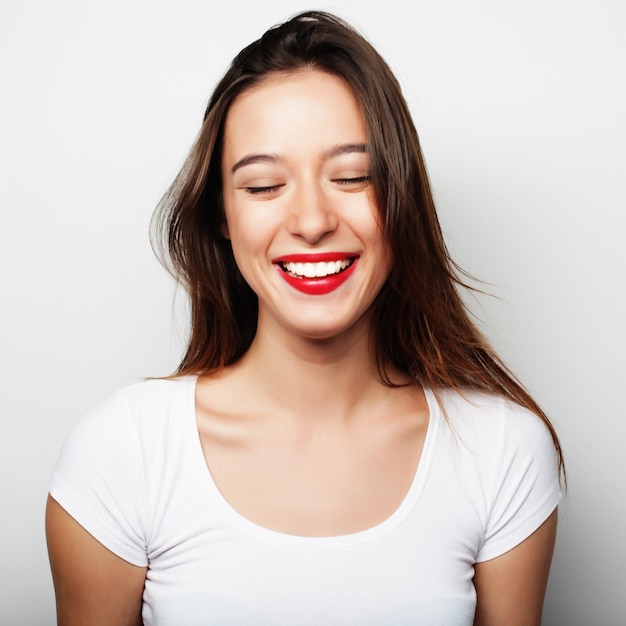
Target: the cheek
pixel 382 251
pixel 372 233
pixel 249 239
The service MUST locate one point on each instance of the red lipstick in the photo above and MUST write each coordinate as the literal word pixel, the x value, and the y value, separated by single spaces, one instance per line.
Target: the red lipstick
pixel 319 285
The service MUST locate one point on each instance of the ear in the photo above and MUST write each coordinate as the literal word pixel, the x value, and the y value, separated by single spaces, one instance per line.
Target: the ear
pixel 224 229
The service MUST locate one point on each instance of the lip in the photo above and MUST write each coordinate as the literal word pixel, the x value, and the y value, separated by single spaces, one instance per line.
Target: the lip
pixel 316 286
pixel 317 257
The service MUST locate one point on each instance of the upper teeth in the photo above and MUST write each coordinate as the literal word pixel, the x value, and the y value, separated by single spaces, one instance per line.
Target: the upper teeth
pixel 316 270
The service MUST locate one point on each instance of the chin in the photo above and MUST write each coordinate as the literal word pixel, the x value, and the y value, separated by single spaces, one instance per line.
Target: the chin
pixel 320 334
pixel 319 324
pixel 317 331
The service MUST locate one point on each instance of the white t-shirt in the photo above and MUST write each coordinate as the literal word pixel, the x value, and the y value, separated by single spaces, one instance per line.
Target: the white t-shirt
pixel 132 472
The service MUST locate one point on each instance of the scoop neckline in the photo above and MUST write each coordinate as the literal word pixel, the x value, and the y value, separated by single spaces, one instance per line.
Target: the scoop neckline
pixel 260 533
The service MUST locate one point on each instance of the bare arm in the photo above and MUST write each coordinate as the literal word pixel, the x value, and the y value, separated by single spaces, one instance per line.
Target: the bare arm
pixel 510 589
pixel 93 586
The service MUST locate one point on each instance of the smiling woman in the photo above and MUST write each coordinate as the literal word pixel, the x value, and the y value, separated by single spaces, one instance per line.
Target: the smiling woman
pixel 299 207
pixel 339 444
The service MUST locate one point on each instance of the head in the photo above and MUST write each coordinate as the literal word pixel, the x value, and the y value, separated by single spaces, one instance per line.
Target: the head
pixel 224 308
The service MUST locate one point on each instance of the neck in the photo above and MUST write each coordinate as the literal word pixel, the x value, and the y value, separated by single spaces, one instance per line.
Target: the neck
pixel 312 378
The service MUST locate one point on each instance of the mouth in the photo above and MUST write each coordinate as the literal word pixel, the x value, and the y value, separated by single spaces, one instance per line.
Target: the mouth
pixel 320 269
pixel 316 274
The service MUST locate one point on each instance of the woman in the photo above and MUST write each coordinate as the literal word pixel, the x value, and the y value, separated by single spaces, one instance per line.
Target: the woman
pixel 339 444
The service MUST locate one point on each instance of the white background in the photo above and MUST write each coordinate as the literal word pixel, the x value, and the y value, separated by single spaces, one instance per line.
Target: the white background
pixel 520 107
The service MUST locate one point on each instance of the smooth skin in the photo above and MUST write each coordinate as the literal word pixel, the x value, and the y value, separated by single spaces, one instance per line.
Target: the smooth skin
pixel 510 589
pixel 295 176
pixel 93 586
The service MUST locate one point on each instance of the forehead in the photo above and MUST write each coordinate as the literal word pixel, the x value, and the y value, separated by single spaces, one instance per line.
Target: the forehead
pixel 314 104
pixel 277 82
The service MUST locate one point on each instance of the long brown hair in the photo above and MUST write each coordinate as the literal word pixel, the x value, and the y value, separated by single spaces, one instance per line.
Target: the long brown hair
pixel 420 323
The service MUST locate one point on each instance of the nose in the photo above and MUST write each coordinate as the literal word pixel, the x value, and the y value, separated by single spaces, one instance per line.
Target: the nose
pixel 311 215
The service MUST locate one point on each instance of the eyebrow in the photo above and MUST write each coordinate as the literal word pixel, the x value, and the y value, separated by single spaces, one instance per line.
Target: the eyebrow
pixel 344 148
pixel 255 158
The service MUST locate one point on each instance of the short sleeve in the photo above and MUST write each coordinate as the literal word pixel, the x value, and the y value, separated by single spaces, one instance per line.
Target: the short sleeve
pixel 524 489
pixel 99 479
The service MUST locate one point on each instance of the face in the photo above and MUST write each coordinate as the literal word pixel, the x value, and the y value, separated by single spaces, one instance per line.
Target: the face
pixel 299 205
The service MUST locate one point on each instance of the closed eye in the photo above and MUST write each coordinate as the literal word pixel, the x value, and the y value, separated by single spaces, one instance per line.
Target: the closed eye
pixel 353 180
pixel 262 189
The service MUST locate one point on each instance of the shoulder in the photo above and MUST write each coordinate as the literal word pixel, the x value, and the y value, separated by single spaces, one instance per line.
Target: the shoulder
pixel 111 469
pixel 505 462
pixel 127 421
pixel 501 449
pixel 485 419
pixel 152 398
